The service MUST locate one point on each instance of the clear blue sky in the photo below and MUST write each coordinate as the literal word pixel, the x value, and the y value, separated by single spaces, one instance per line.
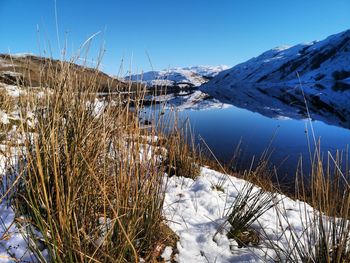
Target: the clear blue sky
pixel 173 33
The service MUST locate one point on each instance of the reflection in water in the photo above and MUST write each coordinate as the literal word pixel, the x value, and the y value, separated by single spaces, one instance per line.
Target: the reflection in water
pixel 327 105
pixel 223 129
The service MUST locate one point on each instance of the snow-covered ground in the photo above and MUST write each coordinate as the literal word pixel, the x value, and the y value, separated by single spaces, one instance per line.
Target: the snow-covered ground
pixel 11 90
pixel 13 243
pixel 13 240
pixel 196 211
pixel 188 76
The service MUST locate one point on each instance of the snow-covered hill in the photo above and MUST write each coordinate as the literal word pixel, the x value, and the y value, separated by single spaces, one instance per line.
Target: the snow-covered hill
pixel 181 77
pixel 270 83
pixel 207 71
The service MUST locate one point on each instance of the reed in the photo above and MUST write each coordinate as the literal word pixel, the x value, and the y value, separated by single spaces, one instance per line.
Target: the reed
pixel 91 189
pixel 324 214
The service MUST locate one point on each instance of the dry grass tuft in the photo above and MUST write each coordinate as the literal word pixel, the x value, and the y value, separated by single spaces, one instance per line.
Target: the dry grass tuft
pixel 90 186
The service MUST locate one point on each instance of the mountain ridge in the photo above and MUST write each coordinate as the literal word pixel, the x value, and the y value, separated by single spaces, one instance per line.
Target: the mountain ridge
pixel 278 82
pixel 308 59
pixel 192 76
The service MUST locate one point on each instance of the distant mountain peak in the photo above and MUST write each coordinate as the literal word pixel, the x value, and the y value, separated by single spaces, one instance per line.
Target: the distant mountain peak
pixel 281 48
pixel 193 76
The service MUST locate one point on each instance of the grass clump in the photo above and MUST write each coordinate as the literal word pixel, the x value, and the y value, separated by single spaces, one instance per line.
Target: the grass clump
pixel 88 187
pixel 250 203
pixel 325 233
pixel 7 103
pixel 183 157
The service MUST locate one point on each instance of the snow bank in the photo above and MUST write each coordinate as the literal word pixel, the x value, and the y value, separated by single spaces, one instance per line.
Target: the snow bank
pixel 196 212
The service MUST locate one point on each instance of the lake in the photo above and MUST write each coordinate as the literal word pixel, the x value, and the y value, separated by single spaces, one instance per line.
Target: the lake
pixel 224 128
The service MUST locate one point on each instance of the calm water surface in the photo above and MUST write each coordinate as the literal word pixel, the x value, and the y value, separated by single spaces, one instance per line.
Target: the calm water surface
pixel 223 129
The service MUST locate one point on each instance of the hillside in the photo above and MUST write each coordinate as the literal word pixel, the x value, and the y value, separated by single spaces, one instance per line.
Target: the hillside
pixel 269 83
pixel 33 71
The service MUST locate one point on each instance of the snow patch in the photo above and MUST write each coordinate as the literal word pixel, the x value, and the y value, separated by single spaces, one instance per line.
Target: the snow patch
pixel 4 118
pixel 196 212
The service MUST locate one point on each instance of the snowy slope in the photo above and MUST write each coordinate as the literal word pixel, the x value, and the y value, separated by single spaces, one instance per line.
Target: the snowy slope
pixel 269 83
pixel 196 211
pixel 189 76
pixel 207 71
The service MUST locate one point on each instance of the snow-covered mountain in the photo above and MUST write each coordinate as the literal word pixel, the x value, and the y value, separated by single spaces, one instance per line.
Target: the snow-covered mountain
pixel 181 77
pixel 207 71
pixel 270 83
